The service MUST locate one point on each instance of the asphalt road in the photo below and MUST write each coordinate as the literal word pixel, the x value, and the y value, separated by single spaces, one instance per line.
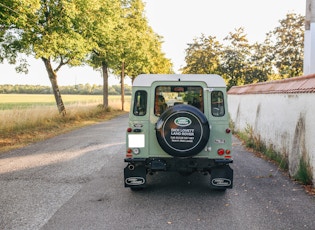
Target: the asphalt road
pixel 75 181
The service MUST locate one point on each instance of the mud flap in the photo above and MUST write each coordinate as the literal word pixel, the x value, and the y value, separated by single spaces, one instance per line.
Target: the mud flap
pixel 135 176
pixel 221 177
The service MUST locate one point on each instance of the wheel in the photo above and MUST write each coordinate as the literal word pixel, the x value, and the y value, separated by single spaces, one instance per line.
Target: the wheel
pixel 182 131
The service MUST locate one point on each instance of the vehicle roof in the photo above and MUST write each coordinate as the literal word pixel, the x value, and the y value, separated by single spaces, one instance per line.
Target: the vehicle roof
pixel 212 80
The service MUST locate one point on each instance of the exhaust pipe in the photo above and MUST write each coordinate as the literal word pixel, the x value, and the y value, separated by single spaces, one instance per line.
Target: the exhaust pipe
pixel 131 167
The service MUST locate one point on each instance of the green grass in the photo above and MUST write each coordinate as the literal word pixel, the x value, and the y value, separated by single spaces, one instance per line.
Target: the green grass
pixel 304 173
pixel 253 141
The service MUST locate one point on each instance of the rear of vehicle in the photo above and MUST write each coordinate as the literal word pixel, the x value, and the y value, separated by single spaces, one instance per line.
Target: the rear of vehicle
pixel 178 123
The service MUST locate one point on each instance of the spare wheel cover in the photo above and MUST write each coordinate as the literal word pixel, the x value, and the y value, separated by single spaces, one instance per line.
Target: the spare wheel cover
pixel 182 131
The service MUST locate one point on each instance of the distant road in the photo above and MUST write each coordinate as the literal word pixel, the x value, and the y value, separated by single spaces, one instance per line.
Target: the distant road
pixel 75 181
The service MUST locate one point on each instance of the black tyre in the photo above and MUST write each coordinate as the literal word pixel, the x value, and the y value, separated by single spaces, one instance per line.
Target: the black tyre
pixel 182 131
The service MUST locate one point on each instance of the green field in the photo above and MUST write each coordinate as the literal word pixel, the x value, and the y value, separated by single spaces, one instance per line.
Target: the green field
pixel 24 101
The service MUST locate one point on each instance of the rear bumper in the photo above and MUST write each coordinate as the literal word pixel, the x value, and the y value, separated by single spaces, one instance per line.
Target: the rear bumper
pixel 137 168
pixel 177 164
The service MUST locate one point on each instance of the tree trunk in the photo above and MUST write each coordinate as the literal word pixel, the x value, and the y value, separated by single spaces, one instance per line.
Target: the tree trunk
pixel 53 80
pixel 105 85
pixel 122 87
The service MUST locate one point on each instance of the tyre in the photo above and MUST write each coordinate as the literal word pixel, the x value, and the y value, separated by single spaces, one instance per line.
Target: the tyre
pixel 182 131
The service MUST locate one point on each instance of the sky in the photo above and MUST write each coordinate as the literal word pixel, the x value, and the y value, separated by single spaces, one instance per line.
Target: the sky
pixel 178 22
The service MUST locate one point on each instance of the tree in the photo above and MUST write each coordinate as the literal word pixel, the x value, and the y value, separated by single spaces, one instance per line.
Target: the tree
pixel 137 48
pixel 240 63
pixel 132 44
pixel 149 51
pixel 105 35
pixel 234 61
pixel 56 31
pixel 288 45
pixel 112 48
pixel 259 62
pixel 203 56
pixel 156 60
pixel 129 49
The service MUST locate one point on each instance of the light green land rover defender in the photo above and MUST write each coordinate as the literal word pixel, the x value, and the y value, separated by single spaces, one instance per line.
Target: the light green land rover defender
pixel 178 123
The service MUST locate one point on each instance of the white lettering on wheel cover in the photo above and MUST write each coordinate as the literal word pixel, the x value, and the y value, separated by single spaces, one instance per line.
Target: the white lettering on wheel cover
pixel 183 135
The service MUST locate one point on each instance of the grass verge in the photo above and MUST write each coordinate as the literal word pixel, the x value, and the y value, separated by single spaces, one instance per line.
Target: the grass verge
pixel 19 128
pixel 254 143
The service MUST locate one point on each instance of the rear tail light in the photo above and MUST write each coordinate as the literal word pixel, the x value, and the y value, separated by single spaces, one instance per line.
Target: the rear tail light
pixel 129 130
pixel 221 152
pixel 129 153
pixel 227 130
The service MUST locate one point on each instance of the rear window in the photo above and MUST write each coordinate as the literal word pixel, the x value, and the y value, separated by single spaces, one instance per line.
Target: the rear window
pixel 169 96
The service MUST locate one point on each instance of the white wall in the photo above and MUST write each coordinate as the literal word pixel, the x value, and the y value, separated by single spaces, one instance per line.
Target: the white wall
pixel 283 121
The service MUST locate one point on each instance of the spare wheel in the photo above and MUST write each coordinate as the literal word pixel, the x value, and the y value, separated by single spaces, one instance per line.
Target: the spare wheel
pixel 182 131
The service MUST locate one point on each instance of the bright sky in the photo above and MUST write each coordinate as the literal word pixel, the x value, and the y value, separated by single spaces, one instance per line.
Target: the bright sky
pixel 179 22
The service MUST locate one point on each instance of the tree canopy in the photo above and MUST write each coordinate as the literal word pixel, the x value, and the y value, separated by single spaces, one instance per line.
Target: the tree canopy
pixel 61 32
pixel 288 45
pixel 239 62
pixel 115 36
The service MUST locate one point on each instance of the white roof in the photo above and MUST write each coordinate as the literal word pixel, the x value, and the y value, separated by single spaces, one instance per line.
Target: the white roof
pixel 212 80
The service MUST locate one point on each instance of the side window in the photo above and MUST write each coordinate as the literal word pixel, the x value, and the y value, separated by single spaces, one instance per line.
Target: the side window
pixel 140 103
pixel 217 104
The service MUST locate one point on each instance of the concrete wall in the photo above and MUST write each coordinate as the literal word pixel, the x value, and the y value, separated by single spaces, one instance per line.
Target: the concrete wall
pixel 281 114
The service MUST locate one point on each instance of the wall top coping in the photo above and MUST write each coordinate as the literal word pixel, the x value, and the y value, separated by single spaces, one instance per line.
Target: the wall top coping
pixel 302 84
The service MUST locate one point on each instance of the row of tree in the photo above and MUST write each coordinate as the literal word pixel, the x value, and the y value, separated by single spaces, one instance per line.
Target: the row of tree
pixel 82 89
pixel 106 34
pixel 115 36
pixel 239 62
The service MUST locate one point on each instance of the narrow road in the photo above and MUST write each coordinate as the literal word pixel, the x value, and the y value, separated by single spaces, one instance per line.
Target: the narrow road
pixel 75 181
